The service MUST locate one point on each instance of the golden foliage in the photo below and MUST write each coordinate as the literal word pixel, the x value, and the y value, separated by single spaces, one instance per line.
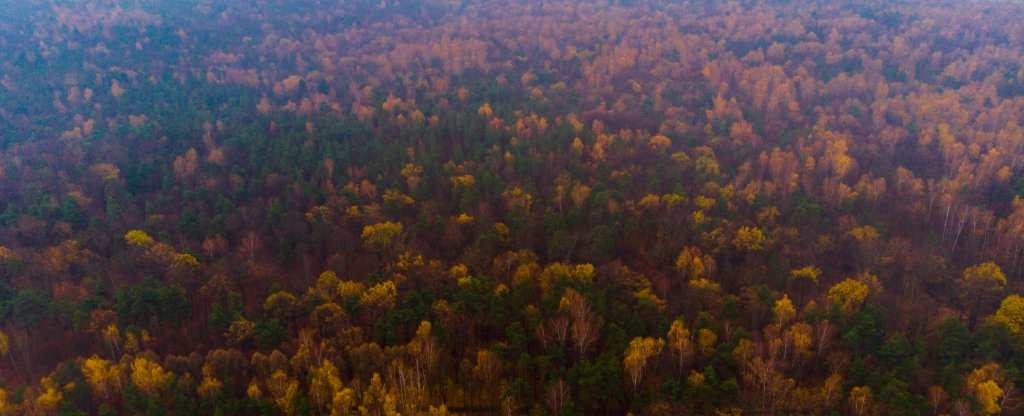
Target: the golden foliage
pixel 848 294
pixel 637 354
pixel 1010 313
pixel 749 239
pixel 149 376
pixel 138 238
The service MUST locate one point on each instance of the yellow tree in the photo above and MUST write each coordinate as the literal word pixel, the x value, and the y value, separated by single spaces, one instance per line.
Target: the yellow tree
pixel 382 238
pixel 695 265
pixel 804 278
pixel 282 389
pixel 112 336
pixel 988 393
pixel 100 375
pixel 379 298
pixel 408 387
pixel 376 400
pixel 860 400
pixel 487 372
pixel 848 294
pixel 749 239
pixel 1010 314
pixel 637 354
pixel 281 305
pixel 706 340
pixel 5 346
pixel 424 351
pixel 324 383
pixel 784 311
pixel 46 403
pixel 344 403
pixel 210 385
pixel 980 286
pixel 149 376
pixel 679 341
pixel 983 384
pixel 138 238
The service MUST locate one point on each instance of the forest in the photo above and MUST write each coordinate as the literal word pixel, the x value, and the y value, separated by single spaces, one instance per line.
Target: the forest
pixel 511 207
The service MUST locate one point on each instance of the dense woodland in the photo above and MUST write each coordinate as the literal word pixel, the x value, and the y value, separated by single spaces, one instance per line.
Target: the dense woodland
pixel 545 207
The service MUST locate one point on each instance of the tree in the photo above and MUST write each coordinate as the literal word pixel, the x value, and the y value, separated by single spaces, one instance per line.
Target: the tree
pixel 138 238
pixel 185 166
pixel 1011 314
pixel 5 346
pixel 100 374
pixel 424 350
pixel 382 237
pixel 149 376
pixel 679 340
pixel 749 239
pixel 660 143
pixel 803 278
pixel 281 305
pixel 848 294
pixel 376 400
pixel 487 371
pixel 47 402
pixel 636 357
pixel 379 298
pixel 988 393
pixel 586 325
pixel 769 386
pixel 324 383
pixel 344 403
pixel 980 286
pixel 210 385
pixel 860 400
pixel 694 265
pixel 283 389
pixel 784 310
pixel 984 384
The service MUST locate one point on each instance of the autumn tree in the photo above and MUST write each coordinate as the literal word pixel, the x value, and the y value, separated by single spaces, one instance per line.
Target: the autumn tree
pixel 101 375
pixel 636 357
pixel 585 325
pixel 984 384
pixel 282 389
pixel 325 383
pixel 679 341
pixel 1010 314
pixel 848 294
pixel 980 286
pixel 149 376
pixel 381 238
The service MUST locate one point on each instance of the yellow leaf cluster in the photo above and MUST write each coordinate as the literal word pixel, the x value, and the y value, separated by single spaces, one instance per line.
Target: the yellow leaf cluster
pixel 849 294
pixel 810 273
pixel 149 376
pixel 138 238
pixel 660 142
pixel 383 235
pixel 1010 314
pixel 638 353
pixel 749 239
pixel 464 181
pixel 383 295
pixel 784 310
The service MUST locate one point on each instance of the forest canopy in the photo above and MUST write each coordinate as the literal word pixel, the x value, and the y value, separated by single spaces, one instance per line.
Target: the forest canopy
pixel 550 207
